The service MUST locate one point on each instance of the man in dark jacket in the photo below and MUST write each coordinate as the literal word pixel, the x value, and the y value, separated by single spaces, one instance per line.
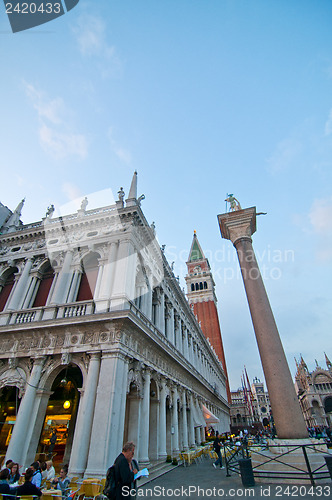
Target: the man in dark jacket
pixel 217 447
pixel 125 471
pixel 27 488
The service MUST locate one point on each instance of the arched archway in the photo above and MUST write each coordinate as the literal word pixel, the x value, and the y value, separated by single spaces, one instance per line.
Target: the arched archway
pixel 9 405
pixel 61 414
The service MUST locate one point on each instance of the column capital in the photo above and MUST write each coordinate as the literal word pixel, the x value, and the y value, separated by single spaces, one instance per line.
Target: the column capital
pixel 237 225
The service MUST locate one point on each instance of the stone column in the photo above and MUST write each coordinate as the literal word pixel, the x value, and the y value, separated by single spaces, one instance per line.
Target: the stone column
pixel 185 341
pixel 23 423
pixel 191 422
pixel 145 418
pixel 238 227
pixel 63 282
pixel 161 315
pixel 75 282
pixel 175 422
pixel 31 292
pixel 107 279
pixel 162 421
pixel 80 448
pixel 18 295
pixel 108 421
pixel 124 275
pixel 184 421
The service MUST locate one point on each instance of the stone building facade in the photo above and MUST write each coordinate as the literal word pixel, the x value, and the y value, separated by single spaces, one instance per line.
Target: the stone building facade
pixel 250 407
pixel 314 391
pixel 98 342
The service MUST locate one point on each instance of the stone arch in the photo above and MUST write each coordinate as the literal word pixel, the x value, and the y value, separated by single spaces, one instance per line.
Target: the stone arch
pixel 61 384
pixel 328 404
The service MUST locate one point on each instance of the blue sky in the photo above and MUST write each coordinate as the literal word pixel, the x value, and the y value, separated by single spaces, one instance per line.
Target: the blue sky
pixel 202 98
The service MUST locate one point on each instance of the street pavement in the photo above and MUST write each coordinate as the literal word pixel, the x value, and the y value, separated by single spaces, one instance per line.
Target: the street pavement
pixel 203 481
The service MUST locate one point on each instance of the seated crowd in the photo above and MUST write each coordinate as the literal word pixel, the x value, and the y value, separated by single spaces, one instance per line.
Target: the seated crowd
pixel 35 478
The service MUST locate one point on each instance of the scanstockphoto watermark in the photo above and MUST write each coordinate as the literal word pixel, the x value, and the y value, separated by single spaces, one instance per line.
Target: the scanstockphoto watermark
pixel 187 491
pixel 275 491
pixel 24 15
pixel 224 262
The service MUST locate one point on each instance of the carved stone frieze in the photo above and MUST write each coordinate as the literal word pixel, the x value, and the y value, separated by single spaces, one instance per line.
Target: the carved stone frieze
pixel 88 338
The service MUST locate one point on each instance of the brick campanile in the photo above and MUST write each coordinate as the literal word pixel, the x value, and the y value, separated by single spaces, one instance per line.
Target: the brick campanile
pixel 201 296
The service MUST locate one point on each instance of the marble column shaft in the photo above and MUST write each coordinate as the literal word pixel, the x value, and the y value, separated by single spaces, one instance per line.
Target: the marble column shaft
pixel 145 419
pixel 288 418
pixel 162 421
pixel 23 423
pixel 81 443
pixel 21 287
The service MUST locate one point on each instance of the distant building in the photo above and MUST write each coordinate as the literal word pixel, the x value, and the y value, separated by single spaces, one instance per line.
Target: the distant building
pixel 314 391
pixel 203 301
pixel 98 342
pixel 250 407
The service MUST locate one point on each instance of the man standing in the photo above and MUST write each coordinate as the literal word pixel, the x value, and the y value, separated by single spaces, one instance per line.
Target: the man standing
pixel 125 470
pixel 216 447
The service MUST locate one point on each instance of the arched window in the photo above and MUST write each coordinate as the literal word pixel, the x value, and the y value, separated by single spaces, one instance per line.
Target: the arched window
pixel 196 286
pixel 205 285
pixel 44 286
pixel 201 286
pixel 192 287
pixel 328 404
pixel 89 278
pixel 6 285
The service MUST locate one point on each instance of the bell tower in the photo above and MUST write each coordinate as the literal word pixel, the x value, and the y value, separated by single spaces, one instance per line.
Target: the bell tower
pixel 202 298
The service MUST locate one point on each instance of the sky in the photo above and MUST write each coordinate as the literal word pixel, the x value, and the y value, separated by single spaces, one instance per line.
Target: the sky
pixel 202 98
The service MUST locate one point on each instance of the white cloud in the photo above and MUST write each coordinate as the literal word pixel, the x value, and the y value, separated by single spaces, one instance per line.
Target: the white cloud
pixel 122 154
pixel 62 144
pixel 56 135
pixel 72 192
pixel 91 37
pixel 320 216
pixel 328 124
pixel 90 32
pixel 46 108
pixel 286 152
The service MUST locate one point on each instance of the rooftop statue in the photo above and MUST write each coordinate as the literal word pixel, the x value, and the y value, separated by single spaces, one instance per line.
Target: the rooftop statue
pixel 235 204
pixel 50 211
pixel 84 203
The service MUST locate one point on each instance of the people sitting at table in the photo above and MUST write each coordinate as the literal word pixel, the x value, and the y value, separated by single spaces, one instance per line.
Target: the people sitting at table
pixel 14 474
pixel 4 482
pixel 50 471
pixel 37 476
pixel 7 465
pixel 62 482
pixel 28 488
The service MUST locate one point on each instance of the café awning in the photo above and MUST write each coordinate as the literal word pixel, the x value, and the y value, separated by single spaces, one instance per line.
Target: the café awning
pixel 209 417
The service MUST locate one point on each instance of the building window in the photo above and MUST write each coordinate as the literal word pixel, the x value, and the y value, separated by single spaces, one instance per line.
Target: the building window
pixel 88 279
pixel 44 287
pixel 205 285
pixel 6 285
pixel 192 287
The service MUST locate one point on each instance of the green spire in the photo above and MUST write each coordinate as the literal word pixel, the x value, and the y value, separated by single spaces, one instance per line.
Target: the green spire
pixel 196 252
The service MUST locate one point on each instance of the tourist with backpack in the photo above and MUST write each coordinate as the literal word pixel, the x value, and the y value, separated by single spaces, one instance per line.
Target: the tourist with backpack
pixel 121 474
